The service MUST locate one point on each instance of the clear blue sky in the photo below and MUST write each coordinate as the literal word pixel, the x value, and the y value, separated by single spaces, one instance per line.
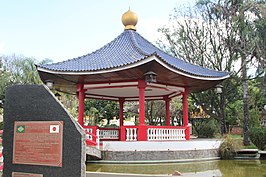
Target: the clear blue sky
pixel 64 29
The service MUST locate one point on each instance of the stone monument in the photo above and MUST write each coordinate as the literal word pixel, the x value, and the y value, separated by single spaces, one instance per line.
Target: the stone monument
pixel 40 138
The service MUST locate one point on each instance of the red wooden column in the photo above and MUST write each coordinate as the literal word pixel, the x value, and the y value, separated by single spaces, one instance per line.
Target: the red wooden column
pixel 122 131
pixel 121 111
pixel 142 132
pixel 141 86
pixel 185 113
pixel 167 111
pixel 81 97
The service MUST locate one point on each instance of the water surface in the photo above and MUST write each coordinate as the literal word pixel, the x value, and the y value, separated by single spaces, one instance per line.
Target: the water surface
pixel 225 168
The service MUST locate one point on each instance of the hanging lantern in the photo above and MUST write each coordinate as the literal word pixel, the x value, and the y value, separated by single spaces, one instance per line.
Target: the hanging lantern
pixel 49 84
pixel 219 89
pixel 150 77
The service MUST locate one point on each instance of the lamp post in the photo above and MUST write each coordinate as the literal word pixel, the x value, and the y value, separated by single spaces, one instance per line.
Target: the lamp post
pixel 49 84
pixel 219 91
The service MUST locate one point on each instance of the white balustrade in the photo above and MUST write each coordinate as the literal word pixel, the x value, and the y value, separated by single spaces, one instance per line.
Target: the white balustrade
pixel 88 136
pixel 109 134
pixel 155 134
pixel 97 138
pixel 131 134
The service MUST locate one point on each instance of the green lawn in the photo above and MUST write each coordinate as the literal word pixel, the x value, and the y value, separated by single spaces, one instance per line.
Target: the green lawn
pixel 239 140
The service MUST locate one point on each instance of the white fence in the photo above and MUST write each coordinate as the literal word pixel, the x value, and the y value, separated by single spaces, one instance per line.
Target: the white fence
pixel 131 134
pixel 109 134
pixel 155 134
pixel 90 131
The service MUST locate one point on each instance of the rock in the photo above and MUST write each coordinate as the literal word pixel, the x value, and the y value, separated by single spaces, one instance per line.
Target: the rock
pixel 176 173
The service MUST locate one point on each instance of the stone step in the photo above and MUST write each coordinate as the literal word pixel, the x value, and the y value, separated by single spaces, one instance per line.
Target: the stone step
pixel 262 155
pixel 247 154
pixel 93 152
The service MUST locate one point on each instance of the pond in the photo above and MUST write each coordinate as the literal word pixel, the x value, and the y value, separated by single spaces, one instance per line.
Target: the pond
pixel 225 168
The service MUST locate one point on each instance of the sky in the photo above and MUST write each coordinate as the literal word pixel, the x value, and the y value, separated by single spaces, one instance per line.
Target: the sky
pixel 65 29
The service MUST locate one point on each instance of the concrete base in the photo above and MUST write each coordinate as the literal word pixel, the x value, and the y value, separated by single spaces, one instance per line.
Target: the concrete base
pixel 213 173
pixel 247 154
pixel 195 144
pixel 152 152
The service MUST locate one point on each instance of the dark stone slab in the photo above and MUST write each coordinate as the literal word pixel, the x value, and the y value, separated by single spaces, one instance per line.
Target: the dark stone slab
pixel 37 103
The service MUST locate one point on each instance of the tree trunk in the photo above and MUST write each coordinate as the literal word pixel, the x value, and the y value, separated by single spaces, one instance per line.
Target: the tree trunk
pixel 246 140
pixel 222 122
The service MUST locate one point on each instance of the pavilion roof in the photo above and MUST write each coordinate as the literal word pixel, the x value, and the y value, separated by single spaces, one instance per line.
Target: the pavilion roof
pixel 127 49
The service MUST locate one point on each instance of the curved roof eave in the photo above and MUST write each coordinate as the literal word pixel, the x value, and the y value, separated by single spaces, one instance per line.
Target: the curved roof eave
pixel 138 63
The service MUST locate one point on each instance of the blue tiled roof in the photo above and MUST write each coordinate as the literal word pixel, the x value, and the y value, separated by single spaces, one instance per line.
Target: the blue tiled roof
pixel 128 48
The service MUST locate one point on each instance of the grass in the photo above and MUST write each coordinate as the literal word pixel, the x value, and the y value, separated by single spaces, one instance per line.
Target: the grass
pixel 239 140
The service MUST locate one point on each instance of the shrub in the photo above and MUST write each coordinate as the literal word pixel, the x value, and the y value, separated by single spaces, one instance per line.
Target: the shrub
pixel 111 126
pixel 228 148
pixel 205 128
pixel 258 137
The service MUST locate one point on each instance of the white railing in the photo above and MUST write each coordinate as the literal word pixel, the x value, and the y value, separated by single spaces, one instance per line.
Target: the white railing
pixel 89 132
pixel 155 134
pixel 109 134
pixel 131 134
pixel 89 136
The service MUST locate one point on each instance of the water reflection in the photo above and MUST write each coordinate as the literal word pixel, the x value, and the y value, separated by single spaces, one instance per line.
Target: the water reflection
pixel 243 168
pixel 226 168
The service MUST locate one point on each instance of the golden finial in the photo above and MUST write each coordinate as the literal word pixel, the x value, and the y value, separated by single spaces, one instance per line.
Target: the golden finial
pixel 129 20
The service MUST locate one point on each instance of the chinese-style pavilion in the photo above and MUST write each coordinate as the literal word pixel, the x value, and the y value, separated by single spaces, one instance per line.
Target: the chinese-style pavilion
pixel 130 68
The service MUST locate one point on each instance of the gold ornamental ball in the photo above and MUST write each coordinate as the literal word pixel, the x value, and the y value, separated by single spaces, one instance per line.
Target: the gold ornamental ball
pixel 129 20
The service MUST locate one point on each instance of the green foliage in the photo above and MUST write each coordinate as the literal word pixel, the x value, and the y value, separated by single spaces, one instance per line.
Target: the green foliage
pixel 228 148
pixel 15 69
pixel 111 126
pixel 155 112
pixel 258 137
pixel 99 109
pixel 22 69
pixel 131 109
pixel 4 82
pixel 218 35
pixel 205 128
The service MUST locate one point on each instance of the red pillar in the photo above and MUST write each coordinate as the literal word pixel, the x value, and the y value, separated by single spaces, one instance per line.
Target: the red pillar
pixel 121 119
pixel 185 113
pixel 142 131
pixel 81 97
pixel 142 85
pixel 121 111
pixel 167 111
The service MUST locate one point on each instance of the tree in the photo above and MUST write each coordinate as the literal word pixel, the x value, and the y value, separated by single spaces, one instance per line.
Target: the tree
pixel 218 35
pixel 248 38
pixel 101 109
pixel 198 37
pixel 17 69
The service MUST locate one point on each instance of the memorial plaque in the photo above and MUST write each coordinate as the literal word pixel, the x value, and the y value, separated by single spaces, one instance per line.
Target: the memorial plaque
pixel 19 174
pixel 41 138
pixel 38 143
